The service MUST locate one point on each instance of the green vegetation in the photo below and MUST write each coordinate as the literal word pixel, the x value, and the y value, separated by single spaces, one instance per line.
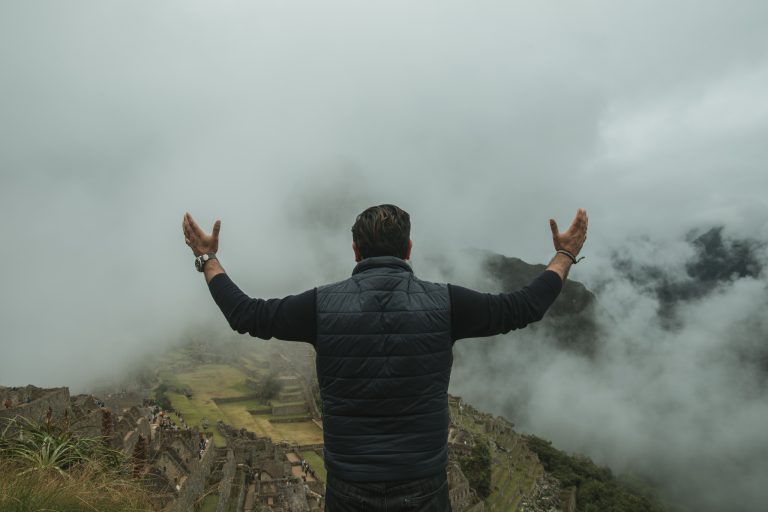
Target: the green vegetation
pixel 316 461
pixel 477 467
pixel 48 446
pixel 513 470
pixel 44 466
pixel 208 503
pixel 269 387
pixel 196 390
pixel 161 396
pixel 597 489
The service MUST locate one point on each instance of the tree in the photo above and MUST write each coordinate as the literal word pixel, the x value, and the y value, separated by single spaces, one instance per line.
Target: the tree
pixel 269 387
pixel 477 468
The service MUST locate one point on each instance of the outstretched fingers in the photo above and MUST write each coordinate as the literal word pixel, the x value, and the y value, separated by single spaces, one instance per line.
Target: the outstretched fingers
pixel 579 224
pixel 575 222
pixel 186 230
pixel 216 229
pixel 197 230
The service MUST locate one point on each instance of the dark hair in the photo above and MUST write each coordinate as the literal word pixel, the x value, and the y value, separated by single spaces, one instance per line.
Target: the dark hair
pixel 383 230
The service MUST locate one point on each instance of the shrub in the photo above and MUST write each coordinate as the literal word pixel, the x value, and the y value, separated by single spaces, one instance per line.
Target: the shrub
pixel 597 489
pixel 269 387
pixel 477 468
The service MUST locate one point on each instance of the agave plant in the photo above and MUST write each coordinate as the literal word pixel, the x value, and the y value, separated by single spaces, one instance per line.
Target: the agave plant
pixel 39 446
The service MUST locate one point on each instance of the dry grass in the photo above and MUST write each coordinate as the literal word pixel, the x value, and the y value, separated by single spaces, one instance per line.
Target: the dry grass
pixel 83 488
pixel 47 467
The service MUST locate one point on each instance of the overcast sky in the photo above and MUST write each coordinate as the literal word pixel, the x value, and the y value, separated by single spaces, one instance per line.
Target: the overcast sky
pixel 285 119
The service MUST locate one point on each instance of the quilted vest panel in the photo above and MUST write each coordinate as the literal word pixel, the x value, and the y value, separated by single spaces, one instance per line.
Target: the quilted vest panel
pixel 384 356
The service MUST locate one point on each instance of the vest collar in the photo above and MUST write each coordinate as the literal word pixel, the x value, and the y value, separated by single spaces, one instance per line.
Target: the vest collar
pixel 382 261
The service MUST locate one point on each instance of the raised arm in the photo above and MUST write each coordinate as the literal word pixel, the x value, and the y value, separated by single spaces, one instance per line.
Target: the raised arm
pixel 291 318
pixel 475 315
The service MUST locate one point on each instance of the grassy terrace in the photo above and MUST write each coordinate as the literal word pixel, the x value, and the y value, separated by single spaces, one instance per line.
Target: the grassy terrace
pixel 210 381
pixel 513 471
pixel 316 462
pixel 208 503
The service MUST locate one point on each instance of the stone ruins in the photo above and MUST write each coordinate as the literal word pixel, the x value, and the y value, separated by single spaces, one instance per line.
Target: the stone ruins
pixel 183 467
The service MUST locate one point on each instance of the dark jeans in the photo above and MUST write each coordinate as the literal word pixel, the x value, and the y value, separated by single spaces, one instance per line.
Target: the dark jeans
pixel 423 495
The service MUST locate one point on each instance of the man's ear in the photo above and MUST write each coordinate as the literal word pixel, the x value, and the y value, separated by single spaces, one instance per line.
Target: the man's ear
pixel 410 246
pixel 358 257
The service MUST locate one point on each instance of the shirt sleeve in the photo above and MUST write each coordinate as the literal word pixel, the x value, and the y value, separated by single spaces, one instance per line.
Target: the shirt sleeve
pixel 291 318
pixel 475 314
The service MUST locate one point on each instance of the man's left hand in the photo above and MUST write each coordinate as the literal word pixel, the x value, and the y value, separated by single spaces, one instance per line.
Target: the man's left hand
pixel 573 239
pixel 198 240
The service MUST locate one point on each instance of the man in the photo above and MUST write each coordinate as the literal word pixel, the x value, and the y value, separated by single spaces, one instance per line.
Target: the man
pixel 384 343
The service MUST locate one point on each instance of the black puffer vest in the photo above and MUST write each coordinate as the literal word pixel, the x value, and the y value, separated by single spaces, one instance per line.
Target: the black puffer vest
pixel 384 355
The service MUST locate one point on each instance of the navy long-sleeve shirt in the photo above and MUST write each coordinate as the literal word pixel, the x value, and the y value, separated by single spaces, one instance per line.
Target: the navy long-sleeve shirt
pixel 473 314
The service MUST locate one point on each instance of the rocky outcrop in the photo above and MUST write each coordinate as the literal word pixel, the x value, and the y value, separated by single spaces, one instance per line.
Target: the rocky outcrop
pixel 572 315
pixel 34 403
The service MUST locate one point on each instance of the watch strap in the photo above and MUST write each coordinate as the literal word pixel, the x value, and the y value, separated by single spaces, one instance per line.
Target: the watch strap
pixel 201 260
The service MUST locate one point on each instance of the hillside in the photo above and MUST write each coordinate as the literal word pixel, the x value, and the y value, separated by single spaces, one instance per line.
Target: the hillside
pixel 521 474
pixel 183 467
pixel 234 425
pixel 572 315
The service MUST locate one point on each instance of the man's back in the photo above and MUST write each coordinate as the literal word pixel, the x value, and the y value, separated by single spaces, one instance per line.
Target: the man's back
pixel 384 342
pixel 384 355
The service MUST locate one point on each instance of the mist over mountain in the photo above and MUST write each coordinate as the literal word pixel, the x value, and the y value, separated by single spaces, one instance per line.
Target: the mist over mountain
pixel 657 369
pixel 573 313
pixel 715 260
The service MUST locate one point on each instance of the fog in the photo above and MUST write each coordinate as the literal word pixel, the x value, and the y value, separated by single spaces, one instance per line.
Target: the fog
pixel 676 391
pixel 482 119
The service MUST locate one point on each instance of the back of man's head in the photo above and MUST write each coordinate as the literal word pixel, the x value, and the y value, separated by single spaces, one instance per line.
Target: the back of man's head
pixel 383 230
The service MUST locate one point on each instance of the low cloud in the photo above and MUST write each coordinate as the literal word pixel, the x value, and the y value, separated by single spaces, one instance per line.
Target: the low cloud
pixel 675 391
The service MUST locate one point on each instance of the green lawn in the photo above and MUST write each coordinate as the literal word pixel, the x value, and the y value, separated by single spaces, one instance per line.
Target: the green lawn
pixel 209 503
pixel 316 462
pixel 195 409
pixel 214 380
pixel 209 381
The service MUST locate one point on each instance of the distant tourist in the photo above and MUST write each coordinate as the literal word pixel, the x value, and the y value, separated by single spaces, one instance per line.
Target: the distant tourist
pixel 384 341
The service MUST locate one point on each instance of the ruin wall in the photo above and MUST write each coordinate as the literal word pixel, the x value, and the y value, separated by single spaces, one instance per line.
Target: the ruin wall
pixel 288 410
pixel 225 485
pixel 55 398
pixel 194 486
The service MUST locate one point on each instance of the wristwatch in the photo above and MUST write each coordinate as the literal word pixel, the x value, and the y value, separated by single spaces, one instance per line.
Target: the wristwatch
pixel 201 260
